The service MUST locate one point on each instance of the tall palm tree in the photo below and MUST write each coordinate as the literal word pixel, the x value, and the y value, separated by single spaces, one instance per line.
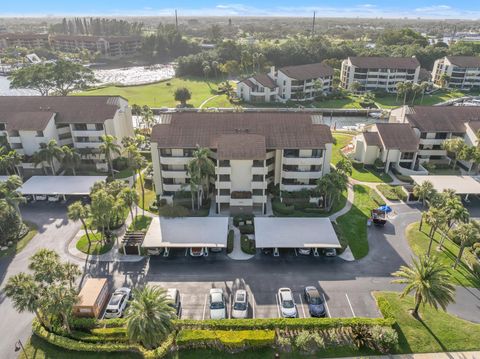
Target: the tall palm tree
pixel 455 213
pixel 455 147
pixel 11 160
pixel 109 147
pixel 78 212
pixel 130 198
pixel 70 159
pixel 344 166
pixel 49 153
pixel 435 218
pixel 195 184
pixel 138 163
pixel 149 316
pixel 400 87
pixel 429 280
pixel 466 234
pixel 204 165
pixel 9 192
pixel 423 86
pixel 423 191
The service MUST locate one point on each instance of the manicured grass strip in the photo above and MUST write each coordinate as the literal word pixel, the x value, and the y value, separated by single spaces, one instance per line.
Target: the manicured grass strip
pixel 437 331
pixel 162 94
pixel 97 246
pixel 21 243
pixel 392 193
pixel 141 223
pixel 352 226
pixel 419 243
pixel 150 195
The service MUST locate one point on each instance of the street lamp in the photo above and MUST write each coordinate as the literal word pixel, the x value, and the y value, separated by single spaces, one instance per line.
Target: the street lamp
pixel 18 346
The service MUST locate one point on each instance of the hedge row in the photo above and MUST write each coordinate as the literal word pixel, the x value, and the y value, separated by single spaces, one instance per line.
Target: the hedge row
pixel 281 323
pixel 227 338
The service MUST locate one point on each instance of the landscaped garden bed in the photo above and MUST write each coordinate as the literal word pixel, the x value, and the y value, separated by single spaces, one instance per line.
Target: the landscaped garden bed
pixel 392 193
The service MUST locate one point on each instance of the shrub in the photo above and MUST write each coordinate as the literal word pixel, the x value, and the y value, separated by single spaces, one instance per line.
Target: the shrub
pixel 102 335
pixel 315 210
pixel 247 229
pixel 476 268
pixel 230 238
pixel 476 245
pixel 309 342
pixel 282 208
pixel 384 339
pixel 120 163
pixel 284 343
pixel 248 245
pixel 477 251
pixel 172 211
pixel 400 193
pixel 242 218
pixel 231 339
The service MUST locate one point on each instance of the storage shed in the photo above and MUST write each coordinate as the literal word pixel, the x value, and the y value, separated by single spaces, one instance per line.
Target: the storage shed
pixel 92 298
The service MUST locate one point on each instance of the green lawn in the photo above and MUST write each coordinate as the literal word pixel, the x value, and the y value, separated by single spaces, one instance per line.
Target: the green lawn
pixel 97 246
pixel 352 102
pixel 338 204
pixel 20 244
pixel 141 223
pixel 360 174
pixel 353 225
pixel 419 243
pixel 161 94
pixel 444 171
pixel 437 331
pixel 37 348
pixel 390 101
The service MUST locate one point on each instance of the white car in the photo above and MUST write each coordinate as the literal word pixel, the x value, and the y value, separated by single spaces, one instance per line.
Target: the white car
pixel 240 304
pixel 287 304
pixel 217 304
pixel 54 198
pixel 118 302
pixel 40 197
pixel 304 251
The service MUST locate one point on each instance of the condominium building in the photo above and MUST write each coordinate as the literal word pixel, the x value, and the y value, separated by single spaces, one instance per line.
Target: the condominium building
pixel 296 83
pixel 26 40
pixel 460 72
pixel 108 46
pixel 418 134
pixel 249 150
pixel 378 73
pixel 27 122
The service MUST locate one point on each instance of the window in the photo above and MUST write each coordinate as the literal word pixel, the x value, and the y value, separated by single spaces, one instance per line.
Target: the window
pixel 224 163
pixel 39 134
pixel 224 178
pixel 257 178
pixel 258 163
pixel 317 153
pixel 224 192
pixel 80 127
pixel 165 152
pixel 257 192
pixel 99 126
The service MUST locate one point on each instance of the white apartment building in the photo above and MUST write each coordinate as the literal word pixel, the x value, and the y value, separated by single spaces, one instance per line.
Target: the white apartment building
pixel 27 122
pixel 249 150
pixel 108 46
pixel 379 73
pixel 26 40
pixel 463 72
pixel 418 134
pixel 296 83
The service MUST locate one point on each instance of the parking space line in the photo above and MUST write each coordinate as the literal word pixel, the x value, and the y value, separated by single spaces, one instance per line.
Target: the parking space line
pixel 253 306
pixel 278 305
pixel 295 249
pixel 350 304
pixel 229 304
pixel 204 306
pixel 301 304
pixel 186 252
pixel 326 305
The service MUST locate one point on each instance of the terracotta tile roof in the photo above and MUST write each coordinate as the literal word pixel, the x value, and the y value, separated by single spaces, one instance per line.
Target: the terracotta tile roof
pixel 441 118
pixel 248 83
pixel 308 71
pixel 398 136
pixel 372 139
pixel 465 61
pixel 474 125
pixel 241 147
pixel 265 81
pixel 280 130
pixel 68 109
pixel 27 121
pixel 410 63
pixel 23 36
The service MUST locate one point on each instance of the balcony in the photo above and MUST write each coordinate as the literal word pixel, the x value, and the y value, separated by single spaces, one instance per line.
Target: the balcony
pixel 222 199
pixel 295 187
pixel 175 174
pixel 301 174
pixel 259 185
pixel 88 133
pixel 241 202
pixel 170 160
pixel 16 139
pixel 259 170
pixel 87 144
pixel 223 170
pixel 302 160
pixel 223 185
pixel 431 141
pixel 172 187
pixel 259 199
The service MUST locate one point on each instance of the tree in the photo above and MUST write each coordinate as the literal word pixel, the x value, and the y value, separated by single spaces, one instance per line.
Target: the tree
pixel 130 198
pixel 455 213
pixel 109 147
pixel 203 166
pixel 466 234
pixel 147 117
pixel 423 86
pixel 70 159
pixel 444 80
pixel 101 208
pixel 149 316
pixel 35 77
pixel 344 166
pixel 182 94
pixel 49 153
pixel 10 194
pixel 423 191
pixel 138 163
pixel 78 212
pixel 454 146
pixel 429 280
pixel 435 218
pixel 355 86
pixel 9 161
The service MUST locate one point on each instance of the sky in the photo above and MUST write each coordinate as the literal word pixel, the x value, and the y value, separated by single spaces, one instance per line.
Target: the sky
pixel 451 9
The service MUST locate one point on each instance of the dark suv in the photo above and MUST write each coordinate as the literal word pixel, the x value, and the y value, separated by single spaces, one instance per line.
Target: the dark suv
pixel 316 306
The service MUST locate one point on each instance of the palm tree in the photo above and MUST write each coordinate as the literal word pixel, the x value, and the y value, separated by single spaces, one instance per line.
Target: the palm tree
pixel 10 161
pixel 408 86
pixel 148 118
pixel 435 218
pixel 400 86
pixel 466 234
pixel 202 163
pixel 444 80
pixel 9 192
pixel 455 147
pixel 130 198
pixel 455 213
pixel 138 163
pixel 195 183
pixel 26 296
pixel 149 316
pixel 78 212
pixel 429 280
pixel 355 86
pixel 423 191
pixel 423 86
pixel 49 153
pixel 344 166
pixel 109 147
pixel 71 159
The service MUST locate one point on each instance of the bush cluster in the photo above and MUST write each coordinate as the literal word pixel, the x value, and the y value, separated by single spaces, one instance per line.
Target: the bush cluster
pixel 230 238
pixel 247 229
pixel 248 245
pixel 225 339
pixel 282 208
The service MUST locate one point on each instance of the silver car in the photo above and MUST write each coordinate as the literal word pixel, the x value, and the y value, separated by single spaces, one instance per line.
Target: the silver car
pixel 240 304
pixel 118 302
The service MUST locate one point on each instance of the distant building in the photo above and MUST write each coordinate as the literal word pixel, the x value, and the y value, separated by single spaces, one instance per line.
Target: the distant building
pixel 463 72
pixel 379 73
pixel 107 46
pixel 77 121
pixel 296 83
pixel 26 40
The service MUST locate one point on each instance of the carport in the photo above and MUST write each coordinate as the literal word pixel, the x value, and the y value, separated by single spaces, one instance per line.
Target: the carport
pixel 187 232
pixel 60 185
pixel 274 232
pixel 465 185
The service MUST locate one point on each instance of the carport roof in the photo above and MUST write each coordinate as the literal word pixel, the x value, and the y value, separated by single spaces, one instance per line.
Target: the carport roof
pixel 62 185
pixel 186 232
pixel 460 184
pixel 273 232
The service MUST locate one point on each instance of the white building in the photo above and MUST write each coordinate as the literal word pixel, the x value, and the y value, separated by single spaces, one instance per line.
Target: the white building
pixel 27 122
pixel 379 73
pixel 107 46
pixel 463 72
pixel 249 150
pixel 296 83
pixel 25 40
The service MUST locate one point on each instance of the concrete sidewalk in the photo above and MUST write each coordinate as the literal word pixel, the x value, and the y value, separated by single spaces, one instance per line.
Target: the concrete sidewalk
pixel 447 355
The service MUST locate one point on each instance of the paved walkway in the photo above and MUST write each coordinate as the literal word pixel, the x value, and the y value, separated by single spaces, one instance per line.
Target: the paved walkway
pixel 447 355
pixel 237 253
pixel 348 206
